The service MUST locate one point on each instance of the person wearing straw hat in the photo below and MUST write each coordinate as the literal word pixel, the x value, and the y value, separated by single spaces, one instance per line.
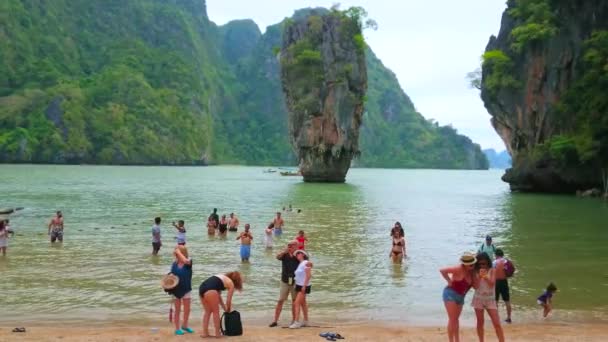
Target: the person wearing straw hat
pixel 302 278
pixel 459 279
pixel 182 269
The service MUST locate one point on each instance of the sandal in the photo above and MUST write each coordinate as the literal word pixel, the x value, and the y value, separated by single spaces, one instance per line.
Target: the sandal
pixel 19 330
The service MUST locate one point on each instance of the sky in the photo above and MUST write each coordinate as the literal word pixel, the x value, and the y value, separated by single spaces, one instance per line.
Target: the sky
pixel 429 44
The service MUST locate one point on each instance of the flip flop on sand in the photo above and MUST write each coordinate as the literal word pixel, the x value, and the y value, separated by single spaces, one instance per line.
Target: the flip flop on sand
pixel 21 330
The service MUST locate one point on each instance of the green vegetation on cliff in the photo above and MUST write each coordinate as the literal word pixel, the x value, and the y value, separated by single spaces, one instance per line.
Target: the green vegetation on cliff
pixel 155 82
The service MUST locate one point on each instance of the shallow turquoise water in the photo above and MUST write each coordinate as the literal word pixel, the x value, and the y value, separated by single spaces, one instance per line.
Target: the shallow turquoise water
pixel 103 271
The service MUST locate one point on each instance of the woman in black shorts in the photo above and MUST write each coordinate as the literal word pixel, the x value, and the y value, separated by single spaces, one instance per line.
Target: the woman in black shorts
pixel 302 279
pixel 211 299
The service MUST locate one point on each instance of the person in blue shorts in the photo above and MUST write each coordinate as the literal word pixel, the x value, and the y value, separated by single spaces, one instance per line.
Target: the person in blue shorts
pixel 246 239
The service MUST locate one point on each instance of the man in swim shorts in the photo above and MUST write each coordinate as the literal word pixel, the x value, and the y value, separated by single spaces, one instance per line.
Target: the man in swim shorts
pixel 502 284
pixel 278 224
pixel 233 223
pixel 56 227
pixel 289 264
pixel 245 238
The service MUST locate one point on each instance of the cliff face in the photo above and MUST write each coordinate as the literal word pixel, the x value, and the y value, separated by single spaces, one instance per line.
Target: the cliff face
pixel 324 79
pixel 532 74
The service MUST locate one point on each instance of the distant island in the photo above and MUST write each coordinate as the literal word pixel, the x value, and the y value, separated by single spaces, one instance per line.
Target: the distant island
pixel 498 160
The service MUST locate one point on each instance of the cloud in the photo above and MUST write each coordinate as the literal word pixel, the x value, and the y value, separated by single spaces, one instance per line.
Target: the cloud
pixel 430 45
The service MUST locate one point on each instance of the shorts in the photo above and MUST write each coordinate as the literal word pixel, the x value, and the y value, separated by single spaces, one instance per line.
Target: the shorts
pixel 57 235
pixel 233 229
pixel 540 302
pixel 186 296
pixel 287 289
pixel 3 242
pixel 449 295
pixel 484 302
pixel 502 290
pixel 245 251
pixel 156 246
pixel 278 231
pixel 298 288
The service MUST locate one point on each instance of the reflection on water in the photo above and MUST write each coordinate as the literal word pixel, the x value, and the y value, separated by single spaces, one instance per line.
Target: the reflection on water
pixel 104 270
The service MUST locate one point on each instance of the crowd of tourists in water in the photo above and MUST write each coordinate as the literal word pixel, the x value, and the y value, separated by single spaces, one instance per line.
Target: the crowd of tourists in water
pixel 487 272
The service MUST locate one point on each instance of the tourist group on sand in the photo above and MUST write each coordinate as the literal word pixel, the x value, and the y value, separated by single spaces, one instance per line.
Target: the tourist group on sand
pixel 489 279
pixel 487 272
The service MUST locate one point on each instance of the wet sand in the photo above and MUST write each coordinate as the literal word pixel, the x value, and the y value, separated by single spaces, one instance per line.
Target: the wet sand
pixel 545 331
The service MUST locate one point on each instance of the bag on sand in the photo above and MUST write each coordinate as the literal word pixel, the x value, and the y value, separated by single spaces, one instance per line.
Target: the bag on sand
pixel 231 324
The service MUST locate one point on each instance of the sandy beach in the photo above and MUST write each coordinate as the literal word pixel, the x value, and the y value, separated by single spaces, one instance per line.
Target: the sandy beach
pixel 537 332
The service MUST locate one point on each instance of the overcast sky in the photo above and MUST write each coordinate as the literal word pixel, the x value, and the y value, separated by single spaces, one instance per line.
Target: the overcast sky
pixel 429 44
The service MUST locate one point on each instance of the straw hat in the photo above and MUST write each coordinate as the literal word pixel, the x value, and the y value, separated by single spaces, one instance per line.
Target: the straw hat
pixel 169 281
pixel 468 259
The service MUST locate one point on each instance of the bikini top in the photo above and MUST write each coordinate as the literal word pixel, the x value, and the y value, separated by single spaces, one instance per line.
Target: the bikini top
pixel 397 244
pixel 461 286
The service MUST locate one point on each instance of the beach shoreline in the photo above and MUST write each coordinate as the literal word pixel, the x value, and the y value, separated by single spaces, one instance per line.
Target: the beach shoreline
pixel 546 331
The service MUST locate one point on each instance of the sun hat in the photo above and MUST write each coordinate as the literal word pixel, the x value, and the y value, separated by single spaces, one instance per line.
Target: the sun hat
pixel 169 281
pixel 468 259
pixel 300 251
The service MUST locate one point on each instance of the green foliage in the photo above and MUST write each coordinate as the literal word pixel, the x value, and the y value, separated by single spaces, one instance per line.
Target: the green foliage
pixel 537 22
pixel 499 68
pixel 147 82
pixel 583 110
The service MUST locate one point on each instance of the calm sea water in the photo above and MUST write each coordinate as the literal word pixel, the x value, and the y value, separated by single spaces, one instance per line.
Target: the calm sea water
pixel 104 271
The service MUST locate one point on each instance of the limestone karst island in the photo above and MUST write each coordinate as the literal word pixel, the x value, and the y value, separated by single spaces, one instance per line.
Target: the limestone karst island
pixel 278 170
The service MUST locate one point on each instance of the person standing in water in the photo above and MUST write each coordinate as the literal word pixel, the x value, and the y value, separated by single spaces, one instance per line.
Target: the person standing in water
pixel 488 247
pixel 289 264
pixel 3 237
pixel 211 298
pixel 223 226
pixel 398 249
pixel 278 224
pixel 268 235
pixel 156 242
pixel 246 239
pixel 181 232
pixel 459 281
pixel 182 268
pixel 301 239
pixel 483 299
pixel 56 227
pixel 213 221
pixel 233 223
pixel 502 283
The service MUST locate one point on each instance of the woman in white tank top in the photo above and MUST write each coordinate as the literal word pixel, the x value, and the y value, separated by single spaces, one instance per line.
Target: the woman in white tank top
pixel 302 279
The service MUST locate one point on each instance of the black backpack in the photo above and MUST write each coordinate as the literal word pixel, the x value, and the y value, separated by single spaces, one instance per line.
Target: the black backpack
pixel 231 324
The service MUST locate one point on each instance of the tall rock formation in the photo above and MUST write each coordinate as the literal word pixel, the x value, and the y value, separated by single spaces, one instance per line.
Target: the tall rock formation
pixel 324 78
pixel 542 83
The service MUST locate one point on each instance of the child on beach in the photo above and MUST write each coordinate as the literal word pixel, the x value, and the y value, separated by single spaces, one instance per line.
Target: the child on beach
pixel 268 235
pixel 181 232
pixel 3 237
pixel 545 299
pixel 302 239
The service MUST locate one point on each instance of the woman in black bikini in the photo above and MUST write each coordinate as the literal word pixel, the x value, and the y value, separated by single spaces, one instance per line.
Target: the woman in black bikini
pixel 211 299
pixel 223 226
pixel 398 249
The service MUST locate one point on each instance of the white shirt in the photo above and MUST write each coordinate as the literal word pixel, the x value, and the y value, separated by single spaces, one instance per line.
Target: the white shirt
pixel 300 273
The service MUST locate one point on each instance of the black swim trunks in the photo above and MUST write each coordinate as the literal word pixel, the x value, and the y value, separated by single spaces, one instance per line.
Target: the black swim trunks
pixel 502 289
pixel 233 229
